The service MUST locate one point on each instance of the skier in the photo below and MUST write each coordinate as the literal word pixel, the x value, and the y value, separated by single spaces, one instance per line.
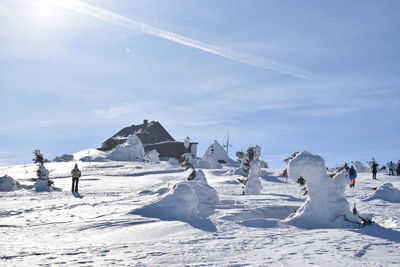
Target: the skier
pixel 352 176
pixel 76 173
pixel 398 168
pixel 391 168
pixel 374 166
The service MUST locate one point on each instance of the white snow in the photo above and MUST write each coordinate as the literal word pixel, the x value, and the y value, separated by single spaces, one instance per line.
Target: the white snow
pixel 7 184
pixel 387 192
pixel 218 151
pixel 186 201
pixel 132 150
pixel 91 152
pixel 152 156
pixel 209 161
pixel 101 229
pixel 326 204
pixel 360 167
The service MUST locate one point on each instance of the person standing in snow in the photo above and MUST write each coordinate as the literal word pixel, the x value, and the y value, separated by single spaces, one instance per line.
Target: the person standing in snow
pixel 398 168
pixel 391 168
pixel 352 176
pixel 374 166
pixel 76 173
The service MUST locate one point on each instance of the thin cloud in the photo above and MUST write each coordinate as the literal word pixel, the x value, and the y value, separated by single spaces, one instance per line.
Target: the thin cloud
pixel 108 16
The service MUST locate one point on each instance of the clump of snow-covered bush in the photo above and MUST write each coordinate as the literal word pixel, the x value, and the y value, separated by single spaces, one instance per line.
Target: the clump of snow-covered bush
pixel 218 152
pixel 387 192
pixel 43 183
pixel 326 204
pixel 250 168
pixel 7 184
pixel 253 185
pixel 187 200
pixel 152 156
pixel 132 150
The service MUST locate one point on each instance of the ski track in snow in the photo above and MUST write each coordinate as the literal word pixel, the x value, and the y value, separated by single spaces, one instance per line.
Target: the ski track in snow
pixel 46 229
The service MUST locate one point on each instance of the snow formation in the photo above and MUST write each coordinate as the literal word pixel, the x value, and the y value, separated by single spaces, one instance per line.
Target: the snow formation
pixel 209 161
pixel 42 183
pixel 253 185
pixel 7 184
pixel 360 168
pixel 218 151
pixel 187 200
pixel 152 156
pixel 132 150
pixel 387 192
pixel 326 204
pixel 64 158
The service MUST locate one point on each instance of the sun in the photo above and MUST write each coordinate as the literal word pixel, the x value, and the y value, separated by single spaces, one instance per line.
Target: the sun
pixel 49 11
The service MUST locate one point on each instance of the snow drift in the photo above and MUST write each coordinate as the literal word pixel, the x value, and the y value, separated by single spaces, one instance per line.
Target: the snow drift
pixel 132 150
pixel 187 200
pixel 7 184
pixel 152 156
pixel 326 205
pixel 386 192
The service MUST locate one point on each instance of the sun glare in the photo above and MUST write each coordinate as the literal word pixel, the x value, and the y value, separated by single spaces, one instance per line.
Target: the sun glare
pixel 48 12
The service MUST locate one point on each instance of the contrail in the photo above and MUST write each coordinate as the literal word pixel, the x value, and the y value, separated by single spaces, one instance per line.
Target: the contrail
pixel 108 16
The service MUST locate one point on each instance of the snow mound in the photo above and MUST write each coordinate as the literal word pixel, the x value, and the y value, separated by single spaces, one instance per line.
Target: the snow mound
pixel 253 185
pixel 132 150
pixel 8 184
pixel 91 152
pixel 219 152
pixel 360 167
pixel 208 162
pixel 386 192
pixel 326 205
pixel 93 159
pixel 173 161
pixel 187 200
pixel 152 156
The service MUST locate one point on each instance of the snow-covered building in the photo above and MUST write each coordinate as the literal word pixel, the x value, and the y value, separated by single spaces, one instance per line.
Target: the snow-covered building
pixel 219 152
pixel 153 136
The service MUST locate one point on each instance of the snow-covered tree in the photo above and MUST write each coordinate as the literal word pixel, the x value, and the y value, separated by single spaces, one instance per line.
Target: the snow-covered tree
pixel 250 169
pixel 43 183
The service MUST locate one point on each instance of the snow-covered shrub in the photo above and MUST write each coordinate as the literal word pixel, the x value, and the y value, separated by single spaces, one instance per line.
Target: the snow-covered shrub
pixel 43 183
pixel 132 150
pixel 152 156
pixel 219 152
pixel 253 185
pixel 326 204
pixel 7 184
pixel 250 169
pixel 187 200
pixel 387 192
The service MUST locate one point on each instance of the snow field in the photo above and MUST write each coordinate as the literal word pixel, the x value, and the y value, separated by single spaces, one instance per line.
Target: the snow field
pixel 56 228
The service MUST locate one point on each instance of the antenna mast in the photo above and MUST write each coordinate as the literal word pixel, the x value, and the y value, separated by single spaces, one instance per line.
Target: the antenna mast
pixel 227 144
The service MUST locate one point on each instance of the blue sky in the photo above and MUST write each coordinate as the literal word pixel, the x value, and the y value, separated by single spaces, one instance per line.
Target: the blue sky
pixel 317 75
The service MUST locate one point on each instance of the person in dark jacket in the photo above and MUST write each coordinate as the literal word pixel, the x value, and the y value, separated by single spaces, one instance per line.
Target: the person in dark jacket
pixel 398 168
pixel 391 168
pixel 76 174
pixel 352 176
pixel 374 166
